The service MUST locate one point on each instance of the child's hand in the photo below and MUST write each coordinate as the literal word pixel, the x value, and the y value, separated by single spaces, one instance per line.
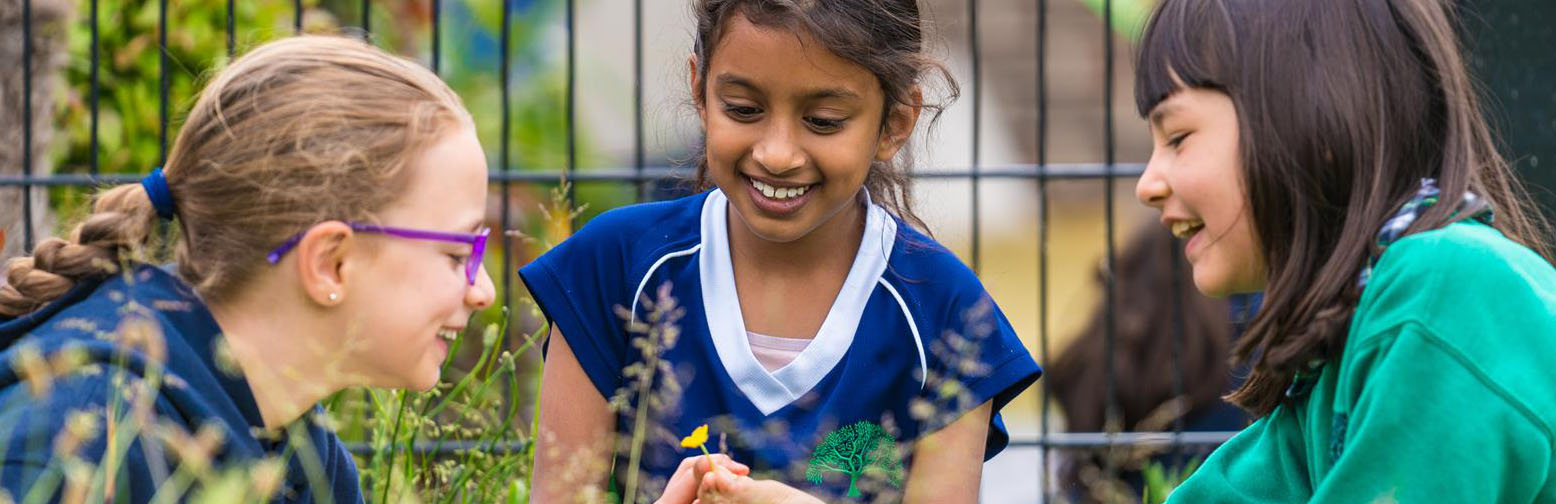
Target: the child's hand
pixel 682 488
pixel 724 487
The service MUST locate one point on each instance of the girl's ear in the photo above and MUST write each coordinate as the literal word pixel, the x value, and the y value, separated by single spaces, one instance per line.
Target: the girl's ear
pixel 696 88
pixel 321 262
pixel 899 125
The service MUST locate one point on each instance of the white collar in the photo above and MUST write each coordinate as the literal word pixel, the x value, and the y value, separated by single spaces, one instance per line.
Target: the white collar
pixel 770 392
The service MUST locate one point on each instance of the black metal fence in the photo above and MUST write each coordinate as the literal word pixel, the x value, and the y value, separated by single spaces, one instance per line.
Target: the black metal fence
pixel 641 175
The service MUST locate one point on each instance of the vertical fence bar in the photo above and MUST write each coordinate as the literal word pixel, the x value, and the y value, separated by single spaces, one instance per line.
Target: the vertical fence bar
pixel 572 106
pixel 297 16
pixel 505 219
pixel 502 157
pixel 232 28
pixel 1178 330
pixel 437 36
pixel 1042 237
pixel 637 97
pixel 95 85
pixel 27 231
pixel 367 19
pixel 977 115
pixel 162 81
pixel 1111 296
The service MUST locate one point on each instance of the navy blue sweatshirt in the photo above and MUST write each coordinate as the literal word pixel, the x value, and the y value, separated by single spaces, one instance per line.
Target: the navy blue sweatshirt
pixel 38 396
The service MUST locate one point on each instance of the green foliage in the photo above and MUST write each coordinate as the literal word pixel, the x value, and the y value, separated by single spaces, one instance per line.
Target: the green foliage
pixel 1160 480
pixel 129 72
pixel 129 79
pixel 477 410
pixel 856 450
pixel 1128 16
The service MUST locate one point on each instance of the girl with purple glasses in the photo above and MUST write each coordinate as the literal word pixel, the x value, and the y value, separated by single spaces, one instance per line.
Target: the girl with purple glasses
pixel 327 200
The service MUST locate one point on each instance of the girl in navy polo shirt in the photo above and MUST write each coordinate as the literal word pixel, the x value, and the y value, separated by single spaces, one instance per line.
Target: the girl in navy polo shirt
pixel 830 345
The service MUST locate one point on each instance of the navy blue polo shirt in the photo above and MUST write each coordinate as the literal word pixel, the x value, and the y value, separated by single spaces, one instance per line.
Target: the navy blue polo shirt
pixel 910 326
pixel 111 370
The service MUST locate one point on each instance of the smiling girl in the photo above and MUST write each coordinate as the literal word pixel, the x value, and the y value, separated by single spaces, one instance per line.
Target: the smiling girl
pixel 328 199
pixel 1332 154
pixel 815 315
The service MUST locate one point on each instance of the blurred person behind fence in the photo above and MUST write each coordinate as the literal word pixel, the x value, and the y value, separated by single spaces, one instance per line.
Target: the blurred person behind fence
pixel 1166 335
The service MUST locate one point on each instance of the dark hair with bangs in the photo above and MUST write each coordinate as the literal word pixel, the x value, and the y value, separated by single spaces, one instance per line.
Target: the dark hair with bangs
pixel 885 37
pixel 1343 107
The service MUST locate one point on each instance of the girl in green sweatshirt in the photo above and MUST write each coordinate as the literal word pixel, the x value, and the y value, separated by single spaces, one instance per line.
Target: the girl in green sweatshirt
pixel 1332 154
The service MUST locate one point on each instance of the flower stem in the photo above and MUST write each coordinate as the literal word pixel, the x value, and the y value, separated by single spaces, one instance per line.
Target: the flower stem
pixel 711 466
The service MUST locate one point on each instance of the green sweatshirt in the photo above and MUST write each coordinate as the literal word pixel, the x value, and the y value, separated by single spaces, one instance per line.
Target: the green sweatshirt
pixel 1446 391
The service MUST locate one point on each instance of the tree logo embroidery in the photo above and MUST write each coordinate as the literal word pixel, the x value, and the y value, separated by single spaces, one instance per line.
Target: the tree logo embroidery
pixel 856 450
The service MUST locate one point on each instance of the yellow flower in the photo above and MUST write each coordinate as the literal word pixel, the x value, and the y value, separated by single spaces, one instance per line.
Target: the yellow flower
pixel 698 438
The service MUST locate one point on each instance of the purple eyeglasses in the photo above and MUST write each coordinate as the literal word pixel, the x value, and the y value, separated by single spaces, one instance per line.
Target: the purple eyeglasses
pixel 477 241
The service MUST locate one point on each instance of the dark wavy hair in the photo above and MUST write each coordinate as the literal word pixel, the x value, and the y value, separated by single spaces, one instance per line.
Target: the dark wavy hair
pixel 885 37
pixel 1154 305
pixel 1343 107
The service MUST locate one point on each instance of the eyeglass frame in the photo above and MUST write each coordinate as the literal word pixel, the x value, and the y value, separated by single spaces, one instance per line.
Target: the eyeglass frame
pixel 476 240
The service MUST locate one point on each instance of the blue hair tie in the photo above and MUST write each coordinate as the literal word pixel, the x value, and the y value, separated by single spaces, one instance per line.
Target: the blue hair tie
pixel 161 196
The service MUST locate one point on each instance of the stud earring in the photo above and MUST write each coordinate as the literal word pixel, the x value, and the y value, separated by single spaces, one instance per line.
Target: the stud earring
pixel 334 297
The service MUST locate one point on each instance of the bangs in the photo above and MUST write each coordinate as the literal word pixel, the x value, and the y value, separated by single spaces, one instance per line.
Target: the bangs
pixel 1188 43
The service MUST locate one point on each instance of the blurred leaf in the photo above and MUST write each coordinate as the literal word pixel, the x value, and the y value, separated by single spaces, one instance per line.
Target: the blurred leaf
pixel 1128 17
pixel 1160 481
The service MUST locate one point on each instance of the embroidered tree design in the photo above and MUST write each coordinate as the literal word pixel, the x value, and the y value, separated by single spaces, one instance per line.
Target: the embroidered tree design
pixel 854 450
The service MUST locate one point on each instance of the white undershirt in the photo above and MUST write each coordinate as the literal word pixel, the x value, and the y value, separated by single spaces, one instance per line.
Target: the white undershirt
pixel 774 352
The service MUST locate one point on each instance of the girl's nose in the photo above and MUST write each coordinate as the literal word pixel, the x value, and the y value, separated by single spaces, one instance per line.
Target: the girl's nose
pixel 483 293
pixel 777 151
pixel 1152 189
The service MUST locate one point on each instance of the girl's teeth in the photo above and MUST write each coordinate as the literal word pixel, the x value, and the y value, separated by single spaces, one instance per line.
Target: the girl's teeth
pixel 448 334
pixel 1184 229
pixel 778 192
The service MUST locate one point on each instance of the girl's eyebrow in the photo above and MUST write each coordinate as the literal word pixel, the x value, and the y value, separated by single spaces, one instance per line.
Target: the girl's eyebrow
pixel 833 92
pixel 725 79
pixel 1161 112
pixel 811 94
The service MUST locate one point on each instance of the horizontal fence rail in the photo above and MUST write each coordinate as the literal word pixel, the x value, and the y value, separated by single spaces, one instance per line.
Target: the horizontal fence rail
pixel 649 174
pixel 1069 440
